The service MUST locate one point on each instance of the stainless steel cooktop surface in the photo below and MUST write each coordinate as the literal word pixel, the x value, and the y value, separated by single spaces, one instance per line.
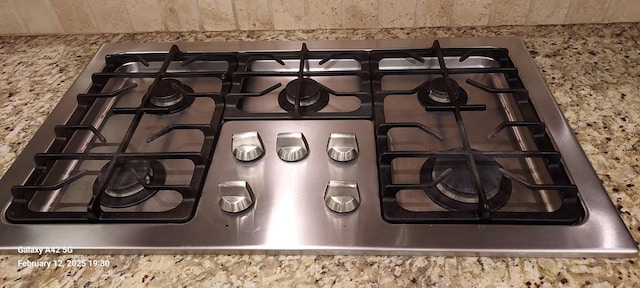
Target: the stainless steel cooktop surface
pixel 420 147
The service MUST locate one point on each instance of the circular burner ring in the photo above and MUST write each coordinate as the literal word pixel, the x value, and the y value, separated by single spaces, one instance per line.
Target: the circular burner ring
pixel 314 97
pixel 170 98
pixel 124 190
pixel 435 93
pixel 497 189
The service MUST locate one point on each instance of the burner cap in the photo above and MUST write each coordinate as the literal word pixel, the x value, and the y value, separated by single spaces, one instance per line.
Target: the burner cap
pixel 124 189
pixel 166 95
pixel 313 97
pixel 456 191
pixel 436 93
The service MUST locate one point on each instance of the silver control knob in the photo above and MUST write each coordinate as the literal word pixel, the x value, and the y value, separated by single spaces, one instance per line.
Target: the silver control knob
pixel 291 146
pixel 234 196
pixel 247 146
pixel 342 196
pixel 342 147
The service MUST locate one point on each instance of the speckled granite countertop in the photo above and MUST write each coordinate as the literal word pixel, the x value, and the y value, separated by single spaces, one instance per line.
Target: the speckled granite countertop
pixel 592 70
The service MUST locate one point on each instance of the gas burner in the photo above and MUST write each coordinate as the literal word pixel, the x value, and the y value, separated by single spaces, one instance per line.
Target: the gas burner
pixel 313 97
pixel 124 189
pixel 456 192
pixel 436 93
pixel 169 94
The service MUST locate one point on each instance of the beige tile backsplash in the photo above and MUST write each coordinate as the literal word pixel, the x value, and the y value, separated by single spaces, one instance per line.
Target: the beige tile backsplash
pixel 471 12
pixel 111 16
pixel 10 19
pixel 75 16
pixel 623 11
pixel 253 14
pixel 360 13
pixel 398 13
pixel 115 16
pixel 324 14
pixel 509 12
pixel 547 11
pixel 434 13
pixel 148 15
pixel 288 14
pixel 179 15
pixel 587 11
pixel 39 16
pixel 217 15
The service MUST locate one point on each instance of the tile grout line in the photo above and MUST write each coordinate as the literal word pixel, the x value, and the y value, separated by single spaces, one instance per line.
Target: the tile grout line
pixel 199 12
pixel 163 15
pixel 235 16
pixel 527 19
pixel 415 14
pixel 21 17
pixel 273 24
pixel 128 17
pixel 342 14
pixel 608 11
pixel 93 16
pixel 492 13
pixel 566 14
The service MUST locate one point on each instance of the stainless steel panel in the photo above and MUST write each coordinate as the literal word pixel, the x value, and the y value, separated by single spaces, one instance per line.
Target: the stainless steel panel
pixel 280 224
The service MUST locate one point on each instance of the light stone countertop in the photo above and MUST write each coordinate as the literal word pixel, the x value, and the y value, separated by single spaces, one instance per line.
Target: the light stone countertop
pixel 593 72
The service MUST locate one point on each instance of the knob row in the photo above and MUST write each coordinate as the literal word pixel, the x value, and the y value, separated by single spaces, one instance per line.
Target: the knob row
pixel 339 196
pixel 292 146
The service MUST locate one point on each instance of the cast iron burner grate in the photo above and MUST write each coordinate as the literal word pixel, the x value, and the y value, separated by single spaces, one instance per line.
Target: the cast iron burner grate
pixel 174 96
pixel 303 97
pixel 452 99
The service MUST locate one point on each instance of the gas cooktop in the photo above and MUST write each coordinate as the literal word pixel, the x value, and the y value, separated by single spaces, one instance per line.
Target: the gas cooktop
pixel 444 147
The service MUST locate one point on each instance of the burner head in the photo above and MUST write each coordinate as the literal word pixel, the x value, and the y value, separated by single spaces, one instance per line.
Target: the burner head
pixel 168 93
pixel 457 192
pixel 436 93
pixel 313 97
pixel 124 189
